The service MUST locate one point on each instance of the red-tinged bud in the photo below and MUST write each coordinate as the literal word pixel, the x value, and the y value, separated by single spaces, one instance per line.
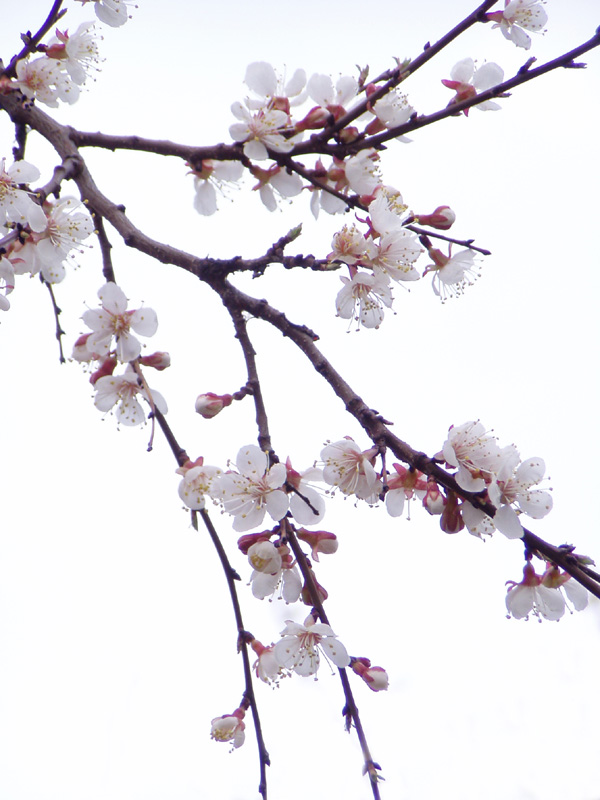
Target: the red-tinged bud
pixel 306 595
pixel 375 126
pixel 107 367
pixel 210 404
pixel 281 104
pixel 348 135
pixel 434 501
pixel 442 218
pixel 451 520
pixel 376 678
pixel 246 541
pixel 159 360
pixel 317 117
pixel 319 541
pixel 56 50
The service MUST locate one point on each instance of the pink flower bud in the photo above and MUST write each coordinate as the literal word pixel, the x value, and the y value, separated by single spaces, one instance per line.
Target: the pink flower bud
pixel 376 678
pixel 209 404
pixel 451 520
pixel 107 367
pixel 442 218
pixel 159 360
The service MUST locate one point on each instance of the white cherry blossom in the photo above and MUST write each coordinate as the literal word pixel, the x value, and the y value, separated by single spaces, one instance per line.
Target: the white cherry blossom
pixel 112 12
pixel 517 17
pixel 253 490
pixel 114 320
pixel 197 482
pixel 452 273
pixel 16 205
pixel 350 469
pixel 512 487
pixel 260 130
pixel 123 390
pixel 325 94
pixel 530 595
pixel 213 176
pixel 77 54
pixel 474 452
pixel 229 728
pixel 299 648
pixel 468 81
pixel 363 297
pixel 262 79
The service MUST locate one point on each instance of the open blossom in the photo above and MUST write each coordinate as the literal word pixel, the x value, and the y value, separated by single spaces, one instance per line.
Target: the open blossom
pixel 274 182
pixel 393 254
pixel 123 390
pixel 474 452
pixel 348 245
pixel 541 594
pixel 229 728
pixel 403 485
pixel 16 205
pixel 530 595
pixel 213 176
pixel 517 17
pixel 77 53
pixel 451 274
pixel 273 566
pixel 197 482
pixel 306 502
pixel 46 251
pixel 350 469
pixel 113 319
pixel 299 647
pixel 262 79
pixel 468 82
pixel 260 130
pixel 363 298
pixel 362 172
pixel 266 667
pixel 253 490
pixel 334 98
pixel 43 80
pixel 512 487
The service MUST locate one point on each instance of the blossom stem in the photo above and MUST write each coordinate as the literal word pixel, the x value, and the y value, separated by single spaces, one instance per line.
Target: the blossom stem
pixel 57 311
pixel 350 710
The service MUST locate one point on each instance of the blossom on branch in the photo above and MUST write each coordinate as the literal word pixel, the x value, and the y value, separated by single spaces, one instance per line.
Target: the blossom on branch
pixel 541 594
pixel 253 490
pixel 363 298
pixel 260 131
pixel 517 17
pixel 197 482
pixel 211 176
pixel 451 273
pixel 376 678
pixel 113 319
pixel 16 204
pixel 350 469
pixel 468 82
pixel 512 487
pixel 474 452
pixel 298 650
pixel 262 79
pixel 123 390
pixel 77 54
pixel 229 728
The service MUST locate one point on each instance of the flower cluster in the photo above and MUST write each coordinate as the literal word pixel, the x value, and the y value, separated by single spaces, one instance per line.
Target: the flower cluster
pixel 544 595
pixel 36 238
pixel 110 342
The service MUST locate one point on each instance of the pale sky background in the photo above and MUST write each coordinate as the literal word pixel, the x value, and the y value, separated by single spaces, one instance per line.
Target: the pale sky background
pixel 117 642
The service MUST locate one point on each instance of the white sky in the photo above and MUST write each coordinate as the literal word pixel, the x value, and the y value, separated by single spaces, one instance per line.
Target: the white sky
pixel 117 642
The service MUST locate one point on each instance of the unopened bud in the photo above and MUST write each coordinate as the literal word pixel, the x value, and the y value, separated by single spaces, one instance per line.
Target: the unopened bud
pixel 434 501
pixel 319 541
pixel 107 367
pixel 442 218
pixel 451 520
pixel 209 404
pixel 159 360
pixel 376 678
